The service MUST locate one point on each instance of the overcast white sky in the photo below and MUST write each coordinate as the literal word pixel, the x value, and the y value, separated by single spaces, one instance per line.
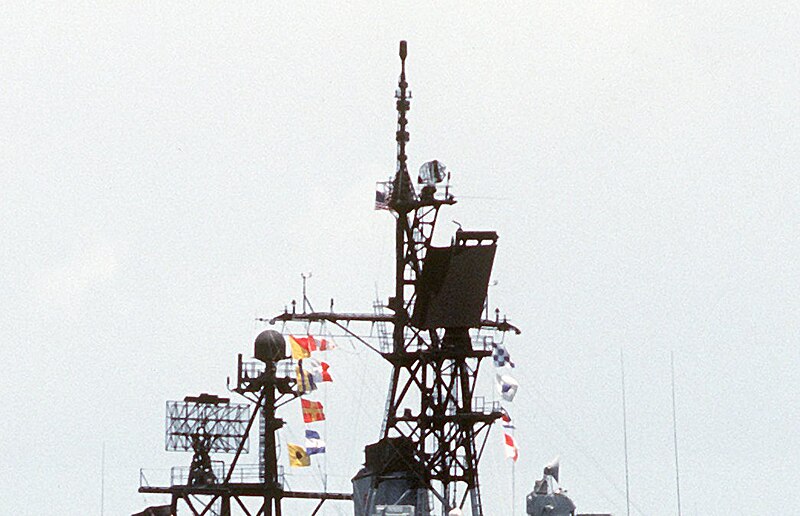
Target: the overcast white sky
pixel 167 171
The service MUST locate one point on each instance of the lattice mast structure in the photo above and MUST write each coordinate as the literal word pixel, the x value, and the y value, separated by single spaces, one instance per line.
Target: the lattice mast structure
pixel 440 363
pixel 431 404
pixel 208 423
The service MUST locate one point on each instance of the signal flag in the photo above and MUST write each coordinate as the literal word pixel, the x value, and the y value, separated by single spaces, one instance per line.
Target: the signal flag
pixel 298 458
pixel 305 379
pixel 312 411
pixel 318 369
pixel 299 349
pixel 314 443
pixel 302 347
pixel 511 450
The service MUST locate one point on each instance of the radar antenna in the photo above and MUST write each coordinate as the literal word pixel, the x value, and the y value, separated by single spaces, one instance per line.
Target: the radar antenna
pixel 204 424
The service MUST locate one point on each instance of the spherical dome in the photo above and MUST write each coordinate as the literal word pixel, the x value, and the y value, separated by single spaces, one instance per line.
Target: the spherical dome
pixel 270 346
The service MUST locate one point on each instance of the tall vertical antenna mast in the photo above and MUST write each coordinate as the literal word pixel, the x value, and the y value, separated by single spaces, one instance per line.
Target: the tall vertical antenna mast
pixel 402 191
pixel 402 180
pixel 675 431
pixel 103 481
pixel 625 434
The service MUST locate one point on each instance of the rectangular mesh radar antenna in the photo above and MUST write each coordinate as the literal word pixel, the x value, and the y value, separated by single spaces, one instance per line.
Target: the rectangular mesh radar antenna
pixel 208 419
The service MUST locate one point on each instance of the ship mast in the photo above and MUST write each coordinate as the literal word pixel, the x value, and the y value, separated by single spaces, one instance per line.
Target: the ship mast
pixel 402 193
pixel 438 362
pixel 434 429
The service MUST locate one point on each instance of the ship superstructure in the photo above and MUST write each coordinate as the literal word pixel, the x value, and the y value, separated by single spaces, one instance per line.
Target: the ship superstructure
pixel 435 426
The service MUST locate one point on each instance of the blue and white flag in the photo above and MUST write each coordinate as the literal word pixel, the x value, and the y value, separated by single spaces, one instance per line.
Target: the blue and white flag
pixel 507 386
pixel 500 355
pixel 314 443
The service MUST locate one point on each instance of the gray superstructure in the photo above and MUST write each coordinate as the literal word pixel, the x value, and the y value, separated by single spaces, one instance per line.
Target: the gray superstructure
pixel 548 499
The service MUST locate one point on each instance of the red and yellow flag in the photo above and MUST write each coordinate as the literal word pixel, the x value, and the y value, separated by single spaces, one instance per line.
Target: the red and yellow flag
pixel 299 347
pixel 312 411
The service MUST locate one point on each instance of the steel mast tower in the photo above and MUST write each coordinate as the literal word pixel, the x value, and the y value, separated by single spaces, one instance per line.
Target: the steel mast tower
pixel 208 423
pixel 436 359
pixel 435 427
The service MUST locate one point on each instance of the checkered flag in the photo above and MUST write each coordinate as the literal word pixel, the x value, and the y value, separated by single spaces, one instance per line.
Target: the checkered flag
pixel 500 355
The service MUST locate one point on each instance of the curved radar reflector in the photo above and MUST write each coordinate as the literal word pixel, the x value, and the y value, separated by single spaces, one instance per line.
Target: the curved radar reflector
pixel 432 172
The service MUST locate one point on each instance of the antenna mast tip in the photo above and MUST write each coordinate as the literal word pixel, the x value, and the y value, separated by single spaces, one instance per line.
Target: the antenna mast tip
pixel 403 49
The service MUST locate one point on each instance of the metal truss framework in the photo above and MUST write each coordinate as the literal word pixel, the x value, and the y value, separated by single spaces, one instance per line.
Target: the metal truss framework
pixel 432 389
pixel 222 425
pixel 259 384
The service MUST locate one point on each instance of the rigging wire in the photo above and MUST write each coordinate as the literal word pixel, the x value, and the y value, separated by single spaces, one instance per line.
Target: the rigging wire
pixel 361 410
pixel 675 431
pixel 581 448
pixel 625 432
